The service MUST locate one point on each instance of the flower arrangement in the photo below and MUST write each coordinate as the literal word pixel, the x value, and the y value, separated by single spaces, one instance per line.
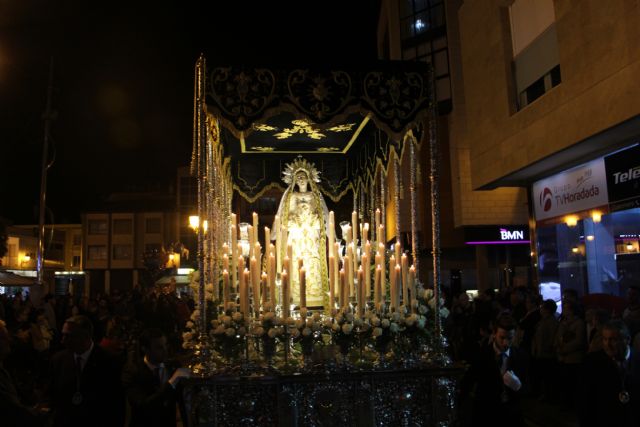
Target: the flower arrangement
pixel 228 334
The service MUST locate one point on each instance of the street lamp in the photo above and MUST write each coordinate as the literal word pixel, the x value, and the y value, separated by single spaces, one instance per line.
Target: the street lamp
pixel 194 223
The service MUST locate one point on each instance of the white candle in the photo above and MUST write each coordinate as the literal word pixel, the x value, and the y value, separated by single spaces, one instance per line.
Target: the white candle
pixel 347 271
pixel 267 237
pixel 264 288
pixel 225 288
pixel 332 232
pixel 255 228
pixel 360 292
pixel 377 221
pixel 332 278
pixel 343 290
pixel 285 293
pixel 376 285
pixel 272 280
pixel 255 285
pixel 366 268
pixel 303 288
pixel 398 279
pixel 234 251
pixel 404 263
pixel 244 293
pixel 365 232
pixel 412 285
pixel 240 267
pixel 354 226
pixel 225 262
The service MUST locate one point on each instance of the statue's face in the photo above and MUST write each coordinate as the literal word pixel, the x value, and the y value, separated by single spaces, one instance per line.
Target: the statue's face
pixel 302 180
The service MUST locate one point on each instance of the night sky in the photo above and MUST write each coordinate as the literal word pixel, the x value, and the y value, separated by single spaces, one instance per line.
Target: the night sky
pixel 123 85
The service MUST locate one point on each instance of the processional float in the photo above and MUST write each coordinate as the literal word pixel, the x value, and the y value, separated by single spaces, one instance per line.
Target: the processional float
pixel 374 337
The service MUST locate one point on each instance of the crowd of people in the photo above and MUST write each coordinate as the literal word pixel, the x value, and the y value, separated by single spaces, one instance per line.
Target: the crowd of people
pixel 582 360
pixel 116 360
pixel 110 361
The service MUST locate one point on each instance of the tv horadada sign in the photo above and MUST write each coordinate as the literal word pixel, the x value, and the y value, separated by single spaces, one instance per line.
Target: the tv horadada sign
pixel 581 188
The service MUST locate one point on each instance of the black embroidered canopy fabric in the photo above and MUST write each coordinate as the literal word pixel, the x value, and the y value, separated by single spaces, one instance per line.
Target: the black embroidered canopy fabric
pixel 344 121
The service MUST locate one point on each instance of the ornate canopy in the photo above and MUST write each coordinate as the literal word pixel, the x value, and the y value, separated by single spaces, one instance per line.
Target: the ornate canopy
pixel 345 121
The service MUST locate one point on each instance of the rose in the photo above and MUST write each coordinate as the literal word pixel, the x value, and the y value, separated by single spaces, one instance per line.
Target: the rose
pixel 309 323
pixel 385 323
pixel 327 323
pixel 226 320
pixel 339 318
pixel 316 317
pixel 295 333
pixel 219 330
pixel 299 323
pixel 395 316
pixel 335 327
pixel 411 320
pixel 259 331
pixel 427 294
pixel 377 332
pixel 375 321
pixel 230 332
pixel 394 327
pixel 273 332
pixel 306 332
pixel 237 316
pixel 291 322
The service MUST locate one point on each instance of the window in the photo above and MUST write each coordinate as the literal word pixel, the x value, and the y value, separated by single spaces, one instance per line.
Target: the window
pixel 121 252
pixel 97 252
pixel 76 261
pixel 424 38
pixel 536 63
pixel 77 239
pixel 122 226
pixel 153 247
pixel 153 225
pixel 97 226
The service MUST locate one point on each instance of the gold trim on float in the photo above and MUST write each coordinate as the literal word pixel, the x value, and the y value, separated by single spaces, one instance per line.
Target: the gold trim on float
pixel 356 134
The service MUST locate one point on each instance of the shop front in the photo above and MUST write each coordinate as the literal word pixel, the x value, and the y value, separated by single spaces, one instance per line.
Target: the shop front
pixel 588 226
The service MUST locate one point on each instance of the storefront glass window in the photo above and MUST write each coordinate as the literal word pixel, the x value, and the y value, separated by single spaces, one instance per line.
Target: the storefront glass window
pixel 596 255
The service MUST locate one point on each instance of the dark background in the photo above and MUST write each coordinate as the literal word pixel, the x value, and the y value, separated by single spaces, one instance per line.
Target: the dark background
pixel 123 85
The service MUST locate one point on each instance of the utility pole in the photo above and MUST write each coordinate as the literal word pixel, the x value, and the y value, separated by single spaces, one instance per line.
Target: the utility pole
pixel 48 117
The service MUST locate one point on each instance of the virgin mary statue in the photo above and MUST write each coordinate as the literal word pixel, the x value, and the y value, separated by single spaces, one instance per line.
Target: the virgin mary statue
pixel 302 216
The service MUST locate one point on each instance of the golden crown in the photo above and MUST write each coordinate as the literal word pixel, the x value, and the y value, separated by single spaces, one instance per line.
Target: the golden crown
pixel 300 164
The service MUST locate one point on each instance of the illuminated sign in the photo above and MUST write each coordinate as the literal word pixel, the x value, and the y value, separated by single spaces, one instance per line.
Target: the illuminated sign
pixel 497 235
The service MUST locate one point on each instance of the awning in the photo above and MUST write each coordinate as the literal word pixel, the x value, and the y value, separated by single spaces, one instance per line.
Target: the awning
pixel 181 280
pixel 11 279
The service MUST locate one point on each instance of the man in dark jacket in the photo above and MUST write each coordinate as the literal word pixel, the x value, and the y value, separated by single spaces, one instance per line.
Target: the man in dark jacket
pixel 496 377
pixel 150 383
pixel 85 388
pixel 611 381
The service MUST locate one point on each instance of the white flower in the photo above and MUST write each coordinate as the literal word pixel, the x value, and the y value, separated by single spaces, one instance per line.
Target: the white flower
pixel 385 323
pixel 375 321
pixel 339 318
pixel 347 328
pixel 357 322
pixel 190 324
pixel 226 320
pixel 335 327
pixel 306 332
pixel 377 332
pixel 414 303
pixel 230 332
pixel 273 332
pixel 427 294
pixel 303 312
pixel 402 309
pixel 295 333
pixel 242 331
pixel 187 336
pixel 394 328
pixel 421 322
pixel 316 316
pixel 259 331
pixel 219 330
pixel 395 316
pixel 422 309
pixel 432 303
pixel 349 317
pixel 299 323
pixel 327 323
pixel 444 312
pixel 237 316
pixel 309 323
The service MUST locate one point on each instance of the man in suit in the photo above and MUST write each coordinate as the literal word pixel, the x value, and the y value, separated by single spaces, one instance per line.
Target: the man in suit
pixel 611 381
pixel 497 375
pixel 12 411
pixel 150 382
pixel 85 388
